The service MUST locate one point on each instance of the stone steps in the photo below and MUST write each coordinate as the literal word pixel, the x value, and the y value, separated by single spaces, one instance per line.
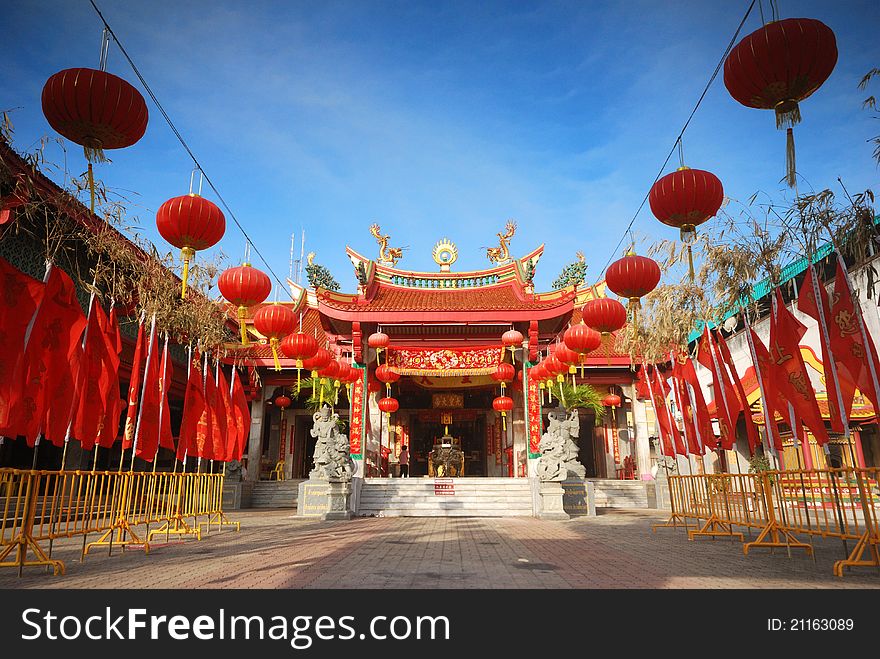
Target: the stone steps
pixel 621 494
pixel 473 497
pixel 275 494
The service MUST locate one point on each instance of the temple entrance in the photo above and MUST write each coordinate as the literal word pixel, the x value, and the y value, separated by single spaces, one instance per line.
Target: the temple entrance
pixel 470 436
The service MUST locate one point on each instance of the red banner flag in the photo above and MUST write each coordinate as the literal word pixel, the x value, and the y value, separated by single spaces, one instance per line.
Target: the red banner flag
pixel 242 415
pixel 51 362
pixel 108 426
pixel 662 389
pixel 776 403
pixel 166 439
pixel 808 304
pixel 213 421
pixel 229 439
pixel 683 401
pixel 704 423
pixel 726 400
pixel 788 374
pixel 847 342
pixel 193 409
pixel 147 433
pixel 90 406
pixel 751 430
pixel 20 296
pixel 134 389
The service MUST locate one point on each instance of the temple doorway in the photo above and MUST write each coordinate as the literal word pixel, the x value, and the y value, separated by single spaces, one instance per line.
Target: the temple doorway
pixel 426 432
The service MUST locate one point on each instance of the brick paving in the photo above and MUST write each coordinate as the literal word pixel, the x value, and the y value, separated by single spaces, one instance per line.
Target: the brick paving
pixel 614 550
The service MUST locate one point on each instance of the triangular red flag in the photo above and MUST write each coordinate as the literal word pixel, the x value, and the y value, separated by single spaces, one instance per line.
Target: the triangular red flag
pixel 704 423
pixel 847 342
pixel 134 389
pixel 776 403
pixel 147 432
pixel 20 296
pixel 683 401
pixel 751 431
pixel 90 406
pixel 108 427
pixel 230 437
pixel 206 447
pixel 788 374
pixel 214 401
pixel 193 409
pixel 242 415
pixel 726 400
pixel 668 429
pixel 166 439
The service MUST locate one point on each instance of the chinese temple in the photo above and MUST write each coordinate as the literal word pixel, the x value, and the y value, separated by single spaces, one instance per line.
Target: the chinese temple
pixel 442 340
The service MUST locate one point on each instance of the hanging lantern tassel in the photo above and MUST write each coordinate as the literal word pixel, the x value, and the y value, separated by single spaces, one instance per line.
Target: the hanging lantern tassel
pixel 504 421
pixel 299 366
pixel 336 391
pixel 242 315
pixel 186 254
pixel 91 188
pixel 790 167
pixel 321 384
pixel 273 342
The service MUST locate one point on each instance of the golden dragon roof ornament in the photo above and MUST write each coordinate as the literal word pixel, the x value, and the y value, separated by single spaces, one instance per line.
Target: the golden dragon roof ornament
pixel 501 254
pixel 387 255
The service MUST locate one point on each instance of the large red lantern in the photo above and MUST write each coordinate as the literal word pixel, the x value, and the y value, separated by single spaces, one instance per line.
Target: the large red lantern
pixel 604 314
pixel 582 338
pixel 503 404
pixel 779 65
pixel 512 339
pixel 320 360
pixel 685 199
pixel 96 110
pixel 244 287
pixel 299 346
pixel 633 277
pixel 503 373
pixel 389 406
pixel 274 321
pixel 190 223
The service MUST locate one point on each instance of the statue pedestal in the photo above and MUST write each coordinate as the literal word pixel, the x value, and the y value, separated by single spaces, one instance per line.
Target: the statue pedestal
pixel 324 499
pixel 552 501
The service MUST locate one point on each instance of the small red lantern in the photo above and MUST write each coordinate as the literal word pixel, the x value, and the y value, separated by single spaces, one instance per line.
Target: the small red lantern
pixel 244 286
pixel 568 357
pixel 632 277
pixel 503 373
pixel 613 401
pixel 685 199
pixel 94 109
pixel 320 360
pixel 378 341
pixel 274 321
pixel 604 314
pixel 512 339
pixel 389 406
pixel 388 375
pixel 503 404
pixel 779 65
pixel 283 402
pixel 190 223
pixel 374 386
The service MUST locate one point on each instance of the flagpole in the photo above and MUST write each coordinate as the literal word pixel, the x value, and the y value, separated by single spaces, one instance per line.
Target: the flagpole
pixel 137 432
pixel 769 415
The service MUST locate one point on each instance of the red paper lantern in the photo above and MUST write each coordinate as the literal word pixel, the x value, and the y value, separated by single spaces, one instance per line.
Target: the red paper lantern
pixel 512 339
pixel 555 367
pixel 388 375
pixel 389 405
pixel 320 360
pixel 503 373
pixel 632 277
pixel 611 400
pixel 779 65
pixel 605 315
pixel 330 371
pixel 582 339
pixel 274 321
pixel 503 404
pixel 190 223
pixel 539 373
pixel 299 346
pixel 374 386
pixel 378 341
pixel 94 109
pixel 283 402
pixel 244 286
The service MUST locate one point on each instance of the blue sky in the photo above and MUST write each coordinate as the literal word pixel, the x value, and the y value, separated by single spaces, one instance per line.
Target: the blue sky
pixel 440 118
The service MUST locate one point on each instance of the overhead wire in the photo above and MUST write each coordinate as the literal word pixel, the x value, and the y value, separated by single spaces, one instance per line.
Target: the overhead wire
pixel 677 143
pixel 186 146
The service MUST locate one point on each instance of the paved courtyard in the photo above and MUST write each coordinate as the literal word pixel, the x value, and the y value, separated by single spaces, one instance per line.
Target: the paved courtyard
pixel 277 550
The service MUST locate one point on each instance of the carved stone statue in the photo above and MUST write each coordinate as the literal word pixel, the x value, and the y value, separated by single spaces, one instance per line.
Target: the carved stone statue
pixel 332 458
pixel 559 449
pixel 233 471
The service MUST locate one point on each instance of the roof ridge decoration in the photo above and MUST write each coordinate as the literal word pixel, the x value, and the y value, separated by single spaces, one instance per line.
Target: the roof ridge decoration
pixel 387 255
pixel 501 254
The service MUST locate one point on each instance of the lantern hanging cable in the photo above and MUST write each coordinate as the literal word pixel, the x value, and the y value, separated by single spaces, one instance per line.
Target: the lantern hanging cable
pixel 677 142
pixel 185 145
